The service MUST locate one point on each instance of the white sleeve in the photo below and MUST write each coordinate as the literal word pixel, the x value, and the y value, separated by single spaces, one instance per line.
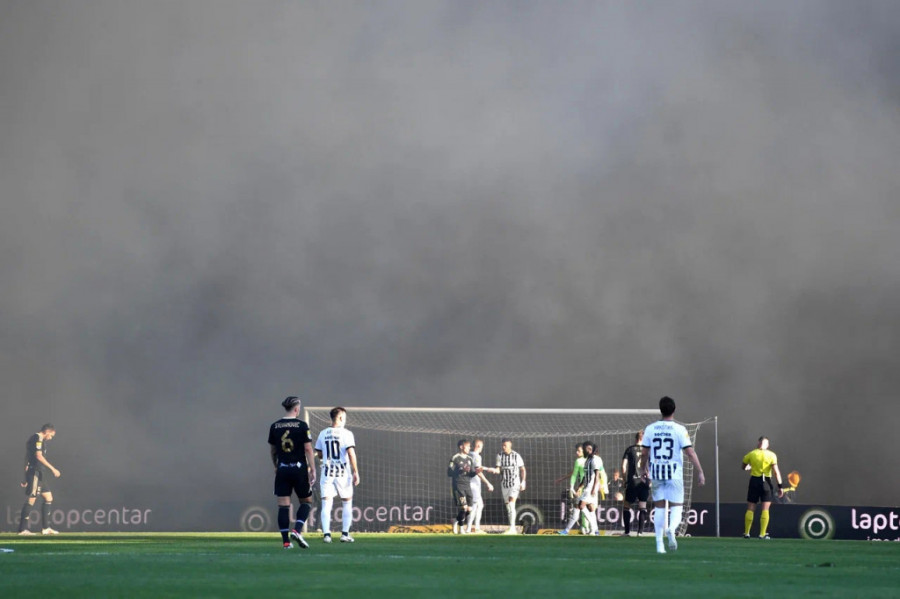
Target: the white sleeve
pixel 519 461
pixel 685 438
pixel 319 446
pixel 350 441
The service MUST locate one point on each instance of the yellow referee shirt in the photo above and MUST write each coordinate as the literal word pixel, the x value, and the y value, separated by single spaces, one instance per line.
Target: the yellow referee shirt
pixel 761 462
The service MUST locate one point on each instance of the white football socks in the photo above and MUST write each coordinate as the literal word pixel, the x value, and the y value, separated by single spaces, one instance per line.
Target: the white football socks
pixel 347 515
pixel 325 516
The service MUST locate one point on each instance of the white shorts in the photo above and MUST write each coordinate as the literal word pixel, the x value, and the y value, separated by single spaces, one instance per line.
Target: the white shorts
pixel 668 490
pixel 475 484
pixel 333 485
pixel 511 493
pixel 588 499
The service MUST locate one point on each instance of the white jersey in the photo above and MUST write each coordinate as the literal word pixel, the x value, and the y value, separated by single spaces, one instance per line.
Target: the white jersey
pixel 476 463
pixel 666 440
pixel 509 464
pixel 592 469
pixel 334 443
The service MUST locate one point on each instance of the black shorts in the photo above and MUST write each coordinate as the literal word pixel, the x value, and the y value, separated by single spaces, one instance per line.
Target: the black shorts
pixel 294 479
pixel 760 490
pixel 34 483
pixel 462 495
pixel 637 490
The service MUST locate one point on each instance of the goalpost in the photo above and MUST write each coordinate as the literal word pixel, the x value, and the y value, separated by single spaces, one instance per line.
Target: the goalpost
pixel 403 455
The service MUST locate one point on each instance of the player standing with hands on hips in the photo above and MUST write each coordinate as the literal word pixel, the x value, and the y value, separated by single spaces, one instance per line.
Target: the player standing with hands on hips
pixel 336 447
pixel 290 444
pixel 663 464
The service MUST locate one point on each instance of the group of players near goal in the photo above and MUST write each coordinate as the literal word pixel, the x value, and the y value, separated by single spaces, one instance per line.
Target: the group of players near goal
pixel 658 467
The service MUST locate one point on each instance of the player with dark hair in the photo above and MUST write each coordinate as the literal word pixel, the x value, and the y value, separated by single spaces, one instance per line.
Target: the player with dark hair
pixel 663 463
pixel 511 468
pixel 576 484
pixel 588 501
pixel 462 470
pixel 336 447
pixel 637 489
pixel 290 444
pixel 35 483
pixel 761 462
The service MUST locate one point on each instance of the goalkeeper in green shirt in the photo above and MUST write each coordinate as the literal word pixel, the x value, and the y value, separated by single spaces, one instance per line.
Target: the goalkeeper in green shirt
pixel 576 482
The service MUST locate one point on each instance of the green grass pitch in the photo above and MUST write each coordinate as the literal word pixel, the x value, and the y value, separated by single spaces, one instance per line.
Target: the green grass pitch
pixel 441 565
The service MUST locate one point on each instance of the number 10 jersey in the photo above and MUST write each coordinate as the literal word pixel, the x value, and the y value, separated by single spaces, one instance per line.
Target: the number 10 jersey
pixel 333 443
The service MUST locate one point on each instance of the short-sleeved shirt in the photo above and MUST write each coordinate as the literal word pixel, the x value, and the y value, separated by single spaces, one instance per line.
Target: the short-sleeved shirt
pixel 761 462
pixel 666 440
pixel 632 459
pixel 509 464
pixel 334 442
pixel 289 436
pixel 33 445
pixel 593 467
pixel 461 470
pixel 476 464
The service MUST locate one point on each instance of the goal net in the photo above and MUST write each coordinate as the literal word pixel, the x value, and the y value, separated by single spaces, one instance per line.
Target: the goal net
pixel 403 455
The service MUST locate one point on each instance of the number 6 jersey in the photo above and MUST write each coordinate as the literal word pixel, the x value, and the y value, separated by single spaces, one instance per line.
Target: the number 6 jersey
pixel 334 442
pixel 289 437
pixel 666 440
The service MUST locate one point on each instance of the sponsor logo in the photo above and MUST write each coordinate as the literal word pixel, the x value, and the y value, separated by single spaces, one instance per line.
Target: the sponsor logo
pixel 874 522
pixel 255 519
pixel 816 524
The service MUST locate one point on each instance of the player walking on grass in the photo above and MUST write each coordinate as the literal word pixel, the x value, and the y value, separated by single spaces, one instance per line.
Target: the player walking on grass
pixel 637 489
pixel 761 462
pixel 461 470
pixel 35 482
pixel 473 522
pixel 511 468
pixel 663 463
pixel 290 445
pixel 587 502
pixel 336 448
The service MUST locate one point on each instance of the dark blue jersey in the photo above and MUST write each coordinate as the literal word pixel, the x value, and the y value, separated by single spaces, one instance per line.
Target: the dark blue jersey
pixel 289 437
pixel 33 445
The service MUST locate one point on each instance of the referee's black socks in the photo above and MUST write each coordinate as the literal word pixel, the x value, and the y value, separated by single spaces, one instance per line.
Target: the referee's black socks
pixel 45 514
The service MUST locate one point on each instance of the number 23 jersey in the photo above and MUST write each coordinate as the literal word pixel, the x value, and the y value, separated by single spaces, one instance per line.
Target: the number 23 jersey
pixel 666 440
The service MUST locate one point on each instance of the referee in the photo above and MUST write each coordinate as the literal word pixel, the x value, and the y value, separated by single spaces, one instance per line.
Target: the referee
pixel 761 462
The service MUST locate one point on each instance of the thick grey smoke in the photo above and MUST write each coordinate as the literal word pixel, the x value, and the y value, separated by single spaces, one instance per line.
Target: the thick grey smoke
pixel 207 206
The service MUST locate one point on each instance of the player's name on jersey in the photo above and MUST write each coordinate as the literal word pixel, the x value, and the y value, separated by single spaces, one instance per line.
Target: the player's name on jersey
pixel 287 424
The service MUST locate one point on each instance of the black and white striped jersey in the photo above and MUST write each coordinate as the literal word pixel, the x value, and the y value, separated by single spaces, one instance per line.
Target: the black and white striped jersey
pixel 334 442
pixel 666 440
pixel 593 466
pixel 509 464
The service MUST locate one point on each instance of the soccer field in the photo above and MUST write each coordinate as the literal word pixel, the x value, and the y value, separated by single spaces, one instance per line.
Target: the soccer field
pixel 441 565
